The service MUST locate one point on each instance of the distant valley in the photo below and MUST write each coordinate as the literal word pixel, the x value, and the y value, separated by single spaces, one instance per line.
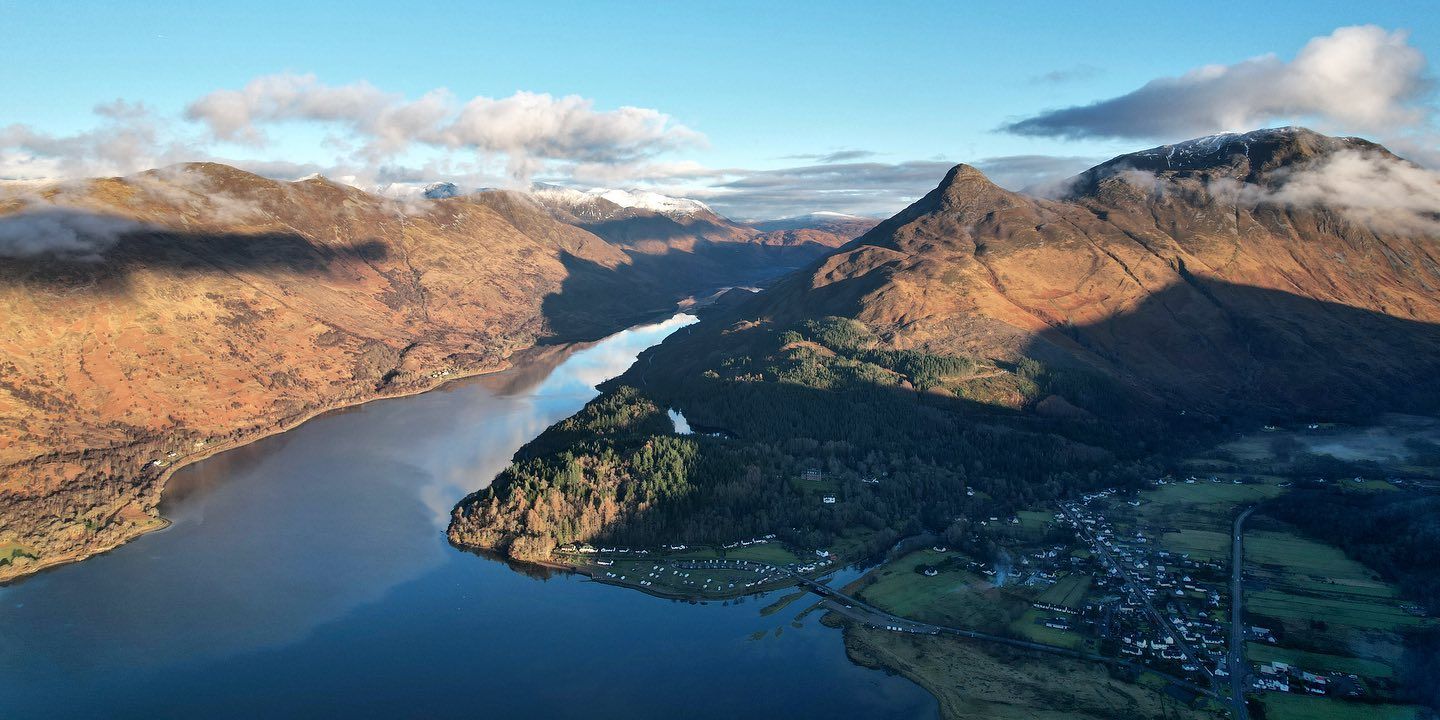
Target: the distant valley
pixel 987 374
pixel 200 306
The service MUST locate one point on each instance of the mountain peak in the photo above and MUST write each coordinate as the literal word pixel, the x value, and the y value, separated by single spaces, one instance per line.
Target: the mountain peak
pixel 599 202
pixel 1251 157
pixel 441 190
pixel 1276 145
pixel 966 181
pixel 213 170
pixel 963 173
pixel 965 186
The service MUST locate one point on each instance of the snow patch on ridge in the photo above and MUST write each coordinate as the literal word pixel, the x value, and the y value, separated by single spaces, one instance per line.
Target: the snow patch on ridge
pixel 638 199
pixel 1184 153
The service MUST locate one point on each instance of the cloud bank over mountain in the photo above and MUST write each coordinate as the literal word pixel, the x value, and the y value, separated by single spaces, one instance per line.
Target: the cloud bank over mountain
pixel 1383 193
pixel 1363 78
pixel 62 232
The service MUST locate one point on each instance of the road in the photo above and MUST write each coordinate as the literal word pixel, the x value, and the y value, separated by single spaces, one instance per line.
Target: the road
pixel 1137 591
pixel 1239 668
pixel 875 617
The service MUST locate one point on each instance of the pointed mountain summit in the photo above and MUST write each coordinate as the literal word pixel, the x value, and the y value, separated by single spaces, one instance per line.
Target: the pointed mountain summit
pixel 986 340
pixel 1196 273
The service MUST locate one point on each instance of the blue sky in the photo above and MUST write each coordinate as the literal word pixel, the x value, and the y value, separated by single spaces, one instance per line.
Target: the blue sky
pixel 761 86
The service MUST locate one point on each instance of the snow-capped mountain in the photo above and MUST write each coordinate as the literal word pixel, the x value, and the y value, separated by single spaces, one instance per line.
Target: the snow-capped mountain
pixel 439 190
pixel 1268 158
pixel 653 201
pixel 818 219
pixel 605 201
pixel 1207 151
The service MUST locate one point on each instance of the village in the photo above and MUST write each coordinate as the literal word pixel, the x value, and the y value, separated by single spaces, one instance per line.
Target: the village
pixel 1152 604
pixel 1163 606
pixel 1139 580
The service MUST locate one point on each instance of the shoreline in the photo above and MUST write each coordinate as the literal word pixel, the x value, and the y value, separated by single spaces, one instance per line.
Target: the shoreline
pixel 284 425
pixel 533 351
pixel 590 574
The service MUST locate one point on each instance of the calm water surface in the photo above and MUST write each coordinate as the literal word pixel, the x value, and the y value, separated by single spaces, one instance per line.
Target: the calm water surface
pixel 307 574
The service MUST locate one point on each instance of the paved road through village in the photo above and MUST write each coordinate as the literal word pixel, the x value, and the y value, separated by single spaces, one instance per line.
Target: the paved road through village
pixel 1239 668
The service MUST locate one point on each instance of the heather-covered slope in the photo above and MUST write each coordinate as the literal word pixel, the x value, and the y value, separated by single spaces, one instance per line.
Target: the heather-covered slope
pixel 1209 282
pixel 1023 347
pixel 151 319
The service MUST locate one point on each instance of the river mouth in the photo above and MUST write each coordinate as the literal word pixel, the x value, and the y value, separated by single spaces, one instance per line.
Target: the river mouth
pixel 308 574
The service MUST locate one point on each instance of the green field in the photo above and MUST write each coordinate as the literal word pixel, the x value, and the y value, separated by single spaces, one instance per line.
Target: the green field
pixel 1314 662
pixel 1027 627
pixel 955 597
pixel 1308 580
pixel 1303 557
pixel 1283 706
pixel 1337 615
pixel 1034 523
pixel 1199 544
pixel 10 551
pixel 975 680
pixel 1206 493
pixel 1331 609
pixel 1069 590
pixel 1203 506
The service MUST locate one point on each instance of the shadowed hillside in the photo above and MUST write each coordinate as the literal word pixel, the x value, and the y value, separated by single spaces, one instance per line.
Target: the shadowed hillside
pixel 153 319
pixel 983 339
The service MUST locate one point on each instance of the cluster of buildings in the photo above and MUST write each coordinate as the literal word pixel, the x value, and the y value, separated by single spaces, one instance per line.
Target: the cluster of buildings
pixel 1157 605
pixel 711 575
pixel 1286 678
pixel 588 549
pixel 737 544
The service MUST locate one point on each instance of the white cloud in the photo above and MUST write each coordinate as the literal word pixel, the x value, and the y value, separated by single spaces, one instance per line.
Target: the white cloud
pixel 129 137
pixel 835 156
pixel 61 232
pixel 527 129
pixel 236 115
pixel 378 136
pixel 861 188
pixel 1042 175
pixel 1385 194
pixel 1382 192
pixel 1361 78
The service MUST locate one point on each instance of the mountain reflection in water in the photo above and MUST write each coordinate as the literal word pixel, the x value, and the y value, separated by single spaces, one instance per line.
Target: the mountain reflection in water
pixel 308 573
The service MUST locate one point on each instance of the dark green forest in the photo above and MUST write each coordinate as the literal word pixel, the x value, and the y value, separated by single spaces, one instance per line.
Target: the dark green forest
pixel 823 395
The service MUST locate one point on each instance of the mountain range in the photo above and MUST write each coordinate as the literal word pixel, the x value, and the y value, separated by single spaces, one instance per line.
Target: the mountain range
pixel 1228 274
pixel 153 319
pixel 985 349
